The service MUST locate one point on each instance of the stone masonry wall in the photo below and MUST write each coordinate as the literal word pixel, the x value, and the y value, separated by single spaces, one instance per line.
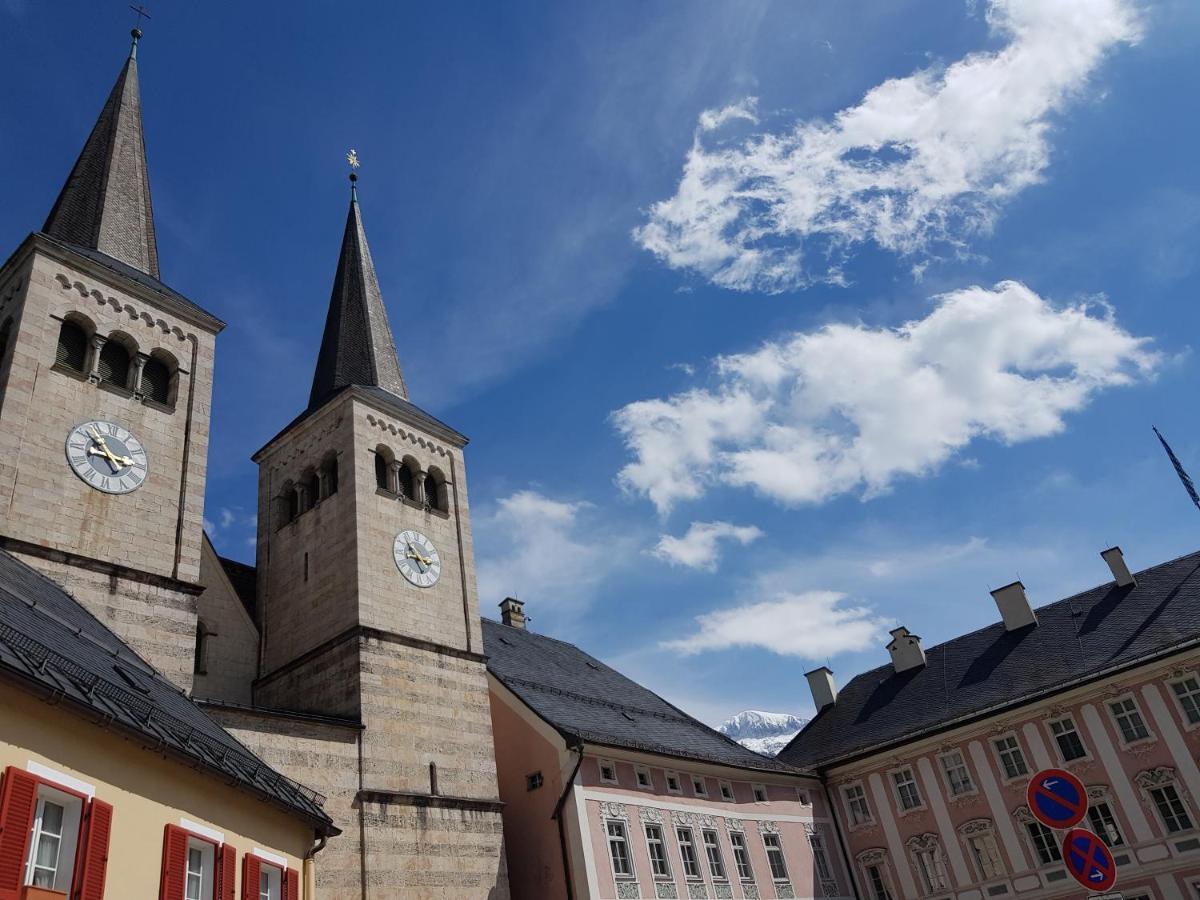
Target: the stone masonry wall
pixel 232 641
pixel 325 684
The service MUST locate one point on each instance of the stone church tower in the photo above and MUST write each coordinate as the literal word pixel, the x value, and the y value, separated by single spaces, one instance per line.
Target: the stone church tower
pixel 367 610
pixel 105 386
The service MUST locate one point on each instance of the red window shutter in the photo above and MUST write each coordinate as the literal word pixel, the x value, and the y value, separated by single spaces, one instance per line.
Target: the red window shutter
pixel 291 885
pixel 18 797
pixel 226 872
pixel 251 873
pixel 90 881
pixel 174 864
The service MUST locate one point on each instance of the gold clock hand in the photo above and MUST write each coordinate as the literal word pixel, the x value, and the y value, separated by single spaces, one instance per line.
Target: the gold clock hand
pixel 120 460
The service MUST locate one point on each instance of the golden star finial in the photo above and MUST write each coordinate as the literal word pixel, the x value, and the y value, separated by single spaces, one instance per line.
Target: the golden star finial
pixel 352 158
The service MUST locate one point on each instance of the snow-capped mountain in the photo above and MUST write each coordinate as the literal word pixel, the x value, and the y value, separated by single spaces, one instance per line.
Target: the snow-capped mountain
pixel 763 732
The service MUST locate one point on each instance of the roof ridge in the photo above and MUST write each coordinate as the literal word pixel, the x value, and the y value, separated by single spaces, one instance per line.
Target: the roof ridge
pixel 622 707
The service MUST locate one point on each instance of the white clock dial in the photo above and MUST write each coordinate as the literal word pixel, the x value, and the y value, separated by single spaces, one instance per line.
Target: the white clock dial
pixel 107 457
pixel 417 558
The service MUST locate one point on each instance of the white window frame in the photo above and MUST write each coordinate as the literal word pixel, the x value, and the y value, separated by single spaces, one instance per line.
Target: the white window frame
pixel 744 856
pixel 661 840
pixel 1194 696
pixel 1094 807
pixel 699 780
pixel 1174 787
pixel 822 865
pixel 1137 711
pixel 1072 727
pixel 758 788
pixel 726 789
pixel 849 802
pixel 778 879
pixel 713 854
pixel 609 838
pixel 885 879
pixel 999 755
pixel 1051 843
pixel 643 771
pixel 901 808
pixel 68 837
pixel 978 830
pixel 930 864
pixel 690 843
pixel 610 764
pixel 208 867
pixel 946 780
pixel 273 876
pixel 678 789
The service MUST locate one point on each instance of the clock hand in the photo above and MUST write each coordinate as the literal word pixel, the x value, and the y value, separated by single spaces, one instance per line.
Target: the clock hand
pixel 119 460
pixel 103 445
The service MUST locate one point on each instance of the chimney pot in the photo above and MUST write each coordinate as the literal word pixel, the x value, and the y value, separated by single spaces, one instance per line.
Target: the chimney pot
pixel 906 650
pixel 824 691
pixel 1014 606
pixel 512 613
pixel 1116 564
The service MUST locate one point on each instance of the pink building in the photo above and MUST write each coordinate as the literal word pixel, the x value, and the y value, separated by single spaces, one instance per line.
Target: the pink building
pixel 927 760
pixel 611 792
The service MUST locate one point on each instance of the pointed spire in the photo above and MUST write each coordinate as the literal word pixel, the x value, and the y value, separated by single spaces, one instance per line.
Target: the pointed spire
pixel 357 347
pixel 105 204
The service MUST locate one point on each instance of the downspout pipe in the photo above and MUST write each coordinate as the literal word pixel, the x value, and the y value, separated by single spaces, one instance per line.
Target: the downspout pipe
pixel 562 831
pixel 310 866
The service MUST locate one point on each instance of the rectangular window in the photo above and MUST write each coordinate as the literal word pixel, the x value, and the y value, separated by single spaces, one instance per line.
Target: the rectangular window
pixel 687 852
pixel 1187 692
pixel 820 857
pixel 712 849
pixel 698 786
pixel 856 802
pixel 726 790
pixel 932 869
pixel 643 777
pixel 1105 824
pixel 660 867
pixel 53 840
pixel 775 857
pixel 618 849
pixel 986 855
pixel 270 882
pixel 760 793
pixel 1171 809
pixel 1044 843
pixel 1070 745
pixel 1129 719
pixel 1011 758
pixel 906 789
pixel 879 889
pixel 534 781
pixel 608 771
pixel 201 866
pixel 741 856
pixel 954 770
pixel 673 784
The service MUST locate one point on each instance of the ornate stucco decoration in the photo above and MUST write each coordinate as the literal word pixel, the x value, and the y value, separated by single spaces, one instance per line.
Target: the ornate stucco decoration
pixel 873 857
pixel 695 819
pixel 976 827
pixel 768 827
pixel 1097 792
pixel 734 825
pixel 1159 776
pixel 927 841
pixel 1023 815
pixel 650 814
pixel 610 810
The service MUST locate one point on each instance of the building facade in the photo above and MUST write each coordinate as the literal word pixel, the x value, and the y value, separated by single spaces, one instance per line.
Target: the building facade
pixel 929 784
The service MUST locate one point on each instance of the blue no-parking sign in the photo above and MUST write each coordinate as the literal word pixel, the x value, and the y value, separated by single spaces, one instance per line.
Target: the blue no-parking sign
pixel 1088 860
pixel 1057 799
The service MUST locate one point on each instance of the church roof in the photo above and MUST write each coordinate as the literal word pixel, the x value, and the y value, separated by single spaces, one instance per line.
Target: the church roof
pixel 585 700
pixel 357 347
pixel 244 581
pixel 105 203
pixel 1100 631
pixel 54 647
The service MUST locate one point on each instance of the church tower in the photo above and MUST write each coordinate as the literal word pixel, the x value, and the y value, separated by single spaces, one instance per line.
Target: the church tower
pixel 367 607
pixel 105 387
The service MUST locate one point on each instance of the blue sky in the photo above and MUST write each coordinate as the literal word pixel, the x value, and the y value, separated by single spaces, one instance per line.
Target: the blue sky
pixel 773 325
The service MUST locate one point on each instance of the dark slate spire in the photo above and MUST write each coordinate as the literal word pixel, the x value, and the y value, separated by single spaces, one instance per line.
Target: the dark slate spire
pixel 357 347
pixel 105 204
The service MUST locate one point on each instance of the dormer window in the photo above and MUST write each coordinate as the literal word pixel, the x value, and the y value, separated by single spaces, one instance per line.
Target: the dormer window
pixel 643 778
pixel 726 791
pixel 698 787
pixel 608 771
pixel 760 793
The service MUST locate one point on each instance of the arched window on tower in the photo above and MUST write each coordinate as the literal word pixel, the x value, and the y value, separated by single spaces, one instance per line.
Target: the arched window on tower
pixel 312 490
pixel 72 349
pixel 435 489
pixel 329 469
pixel 383 462
pixel 408 483
pixel 114 363
pixel 5 336
pixel 156 380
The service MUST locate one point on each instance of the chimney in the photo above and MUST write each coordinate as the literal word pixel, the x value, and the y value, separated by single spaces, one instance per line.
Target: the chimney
pixel 512 613
pixel 1116 562
pixel 824 691
pixel 1014 606
pixel 906 651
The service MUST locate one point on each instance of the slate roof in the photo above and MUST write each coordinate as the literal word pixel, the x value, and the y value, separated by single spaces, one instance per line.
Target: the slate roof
pixel 105 203
pixel 584 699
pixel 1077 639
pixel 357 347
pixel 244 581
pixel 49 643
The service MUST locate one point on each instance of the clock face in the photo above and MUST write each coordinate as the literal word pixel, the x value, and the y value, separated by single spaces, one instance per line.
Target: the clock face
pixel 107 457
pixel 417 558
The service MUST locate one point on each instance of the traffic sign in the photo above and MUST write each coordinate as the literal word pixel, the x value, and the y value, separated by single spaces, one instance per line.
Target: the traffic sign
pixel 1056 798
pixel 1089 861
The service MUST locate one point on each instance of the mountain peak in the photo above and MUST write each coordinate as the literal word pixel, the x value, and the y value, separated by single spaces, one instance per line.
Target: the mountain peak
pixel 763 732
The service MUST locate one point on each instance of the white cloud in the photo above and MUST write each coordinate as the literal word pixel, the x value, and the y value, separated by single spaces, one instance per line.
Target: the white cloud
pixel 847 408
pixel 813 625
pixel 537 548
pixel 921 161
pixel 698 548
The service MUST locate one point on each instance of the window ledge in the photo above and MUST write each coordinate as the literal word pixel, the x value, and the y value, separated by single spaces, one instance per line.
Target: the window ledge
pixel 69 372
pixel 115 389
pixel 161 407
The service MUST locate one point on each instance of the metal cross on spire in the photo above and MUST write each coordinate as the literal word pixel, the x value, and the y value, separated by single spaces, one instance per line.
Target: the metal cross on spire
pixel 141 14
pixel 136 33
pixel 352 159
